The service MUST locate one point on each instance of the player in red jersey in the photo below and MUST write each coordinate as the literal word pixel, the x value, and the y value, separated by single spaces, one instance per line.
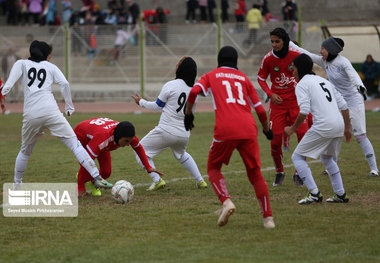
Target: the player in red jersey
pixel 235 128
pixel 2 105
pixel 283 106
pixel 99 136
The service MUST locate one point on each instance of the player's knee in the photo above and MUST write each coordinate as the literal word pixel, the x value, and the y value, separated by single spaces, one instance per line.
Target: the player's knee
pixel 185 156
pixel 361 137
pixel 276 142
pixel 27 149
pixel 71 143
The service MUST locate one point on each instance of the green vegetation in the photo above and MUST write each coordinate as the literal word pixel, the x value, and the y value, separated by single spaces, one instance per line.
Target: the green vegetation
pixel 177 224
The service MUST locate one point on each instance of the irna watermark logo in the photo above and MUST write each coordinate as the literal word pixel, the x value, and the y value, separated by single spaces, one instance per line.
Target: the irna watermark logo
pixel 40 200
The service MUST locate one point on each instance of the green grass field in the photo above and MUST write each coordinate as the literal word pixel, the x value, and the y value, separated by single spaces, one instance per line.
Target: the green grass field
pixel 178 224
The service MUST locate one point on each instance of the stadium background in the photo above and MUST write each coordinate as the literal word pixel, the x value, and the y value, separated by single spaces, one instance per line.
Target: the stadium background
pixel 145 66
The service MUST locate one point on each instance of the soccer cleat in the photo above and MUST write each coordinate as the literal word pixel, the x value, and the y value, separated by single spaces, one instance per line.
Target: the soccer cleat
pixel 373 173
pixel 311 198
pixel 201 184
pixel 17 186
pixel 99 182
pixel 338 199
pixel 90 187
pixel 297 179
pixel 325 172
pixel 227 210
pixel 279 179
pixel 286 149
pixel 156 186
pixel 268 222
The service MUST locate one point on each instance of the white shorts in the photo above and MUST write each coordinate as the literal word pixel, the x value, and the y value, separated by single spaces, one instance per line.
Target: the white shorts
pixel 357 120
pixel 158 140
pixel 313 145
pixel 57 124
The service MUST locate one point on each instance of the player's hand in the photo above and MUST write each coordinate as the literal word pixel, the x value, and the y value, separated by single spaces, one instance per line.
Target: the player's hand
pixel 362 90
pixel 153 170
pixel 276 99
pixel 288 130
pixel 189 121
pixel 137 98
pixel 268 134
pixel 347 135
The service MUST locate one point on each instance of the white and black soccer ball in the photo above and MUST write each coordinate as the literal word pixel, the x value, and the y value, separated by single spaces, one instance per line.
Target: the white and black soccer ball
pixel 122 191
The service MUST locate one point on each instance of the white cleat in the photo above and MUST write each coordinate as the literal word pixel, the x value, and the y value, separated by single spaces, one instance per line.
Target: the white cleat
pixel 225 212
pixel 268 222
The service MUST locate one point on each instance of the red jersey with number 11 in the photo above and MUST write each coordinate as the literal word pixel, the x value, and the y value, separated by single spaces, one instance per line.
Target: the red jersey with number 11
pixel 233 95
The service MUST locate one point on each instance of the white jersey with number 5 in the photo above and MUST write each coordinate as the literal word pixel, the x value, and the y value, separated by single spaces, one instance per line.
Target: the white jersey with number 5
pixel 171 100
pixel 36 80
pixel 318 96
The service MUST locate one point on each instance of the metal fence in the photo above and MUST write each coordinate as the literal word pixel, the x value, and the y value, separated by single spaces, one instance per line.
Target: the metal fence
pixel 97 70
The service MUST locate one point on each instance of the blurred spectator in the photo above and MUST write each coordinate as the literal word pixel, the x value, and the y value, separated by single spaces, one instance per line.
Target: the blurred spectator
pixel 134 10
pixel 240 10
pixel 122 36
pixel 264 7
pixel 88 5
pixel 123 17
pixel 98 15
pixel 24 12
pixel 156 20
pixel 35 8
pixel 254 19
pixel 111 18
pixel 3 7
pixel 12 11
pixel 289 11
pixel 203 7
pixel 224 5
pixel 191 6
pixel 67 10
pixel 211 5
pixel 371 72
pixel 51 12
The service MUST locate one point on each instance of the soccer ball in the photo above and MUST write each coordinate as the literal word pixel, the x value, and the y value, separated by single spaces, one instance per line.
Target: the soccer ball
pixel 122 191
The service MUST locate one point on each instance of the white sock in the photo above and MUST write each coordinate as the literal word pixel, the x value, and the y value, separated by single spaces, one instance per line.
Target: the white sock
pixel 20 166
pixel 334 174
pixel 82 156
pixel 369 153
pixel 304 171
pixel 155 176
pixel 188 162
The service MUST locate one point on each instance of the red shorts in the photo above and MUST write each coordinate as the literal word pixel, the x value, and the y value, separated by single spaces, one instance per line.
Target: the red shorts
pixel 221 151
pixel 280 117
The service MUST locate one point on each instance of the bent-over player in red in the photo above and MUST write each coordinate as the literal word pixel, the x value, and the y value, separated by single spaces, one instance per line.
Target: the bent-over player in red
pixel 99 136
pixel 233 96
pixel 283 104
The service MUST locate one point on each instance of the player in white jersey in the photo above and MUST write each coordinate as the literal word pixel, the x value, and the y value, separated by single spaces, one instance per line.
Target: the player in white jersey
pixel 41 111
pixel 318 96
pixel 346 80
pixel 170 131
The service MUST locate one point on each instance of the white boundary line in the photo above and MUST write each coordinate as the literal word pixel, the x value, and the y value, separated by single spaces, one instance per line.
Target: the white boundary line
pixel 265 169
